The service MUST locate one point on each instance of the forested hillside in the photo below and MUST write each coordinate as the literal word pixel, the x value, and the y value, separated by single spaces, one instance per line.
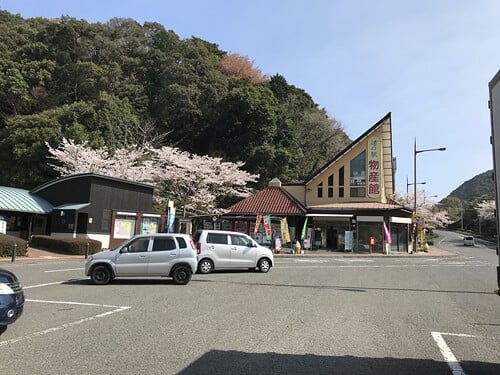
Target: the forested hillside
pixel 478 186
pixel 121 83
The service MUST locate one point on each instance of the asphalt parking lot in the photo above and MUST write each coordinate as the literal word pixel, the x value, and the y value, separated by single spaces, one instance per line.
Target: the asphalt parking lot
pixel 307 315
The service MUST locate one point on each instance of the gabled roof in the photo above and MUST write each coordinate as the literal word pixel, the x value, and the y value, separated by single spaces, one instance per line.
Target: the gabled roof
pixel 82 175
pixel 272 201
pixel 20 200
pixel 349 147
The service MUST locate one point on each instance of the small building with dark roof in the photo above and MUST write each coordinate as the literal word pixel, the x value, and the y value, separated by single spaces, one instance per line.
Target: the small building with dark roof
pixel 86 205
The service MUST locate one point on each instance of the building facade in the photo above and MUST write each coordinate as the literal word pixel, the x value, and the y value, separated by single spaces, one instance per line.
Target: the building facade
pixel 86 205
pixel 348 203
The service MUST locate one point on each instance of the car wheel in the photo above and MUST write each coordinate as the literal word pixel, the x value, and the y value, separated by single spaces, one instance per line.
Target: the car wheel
pixel 3 329
pixel 264 265
pixel 205 266
pixel 101 275
pixel 181 275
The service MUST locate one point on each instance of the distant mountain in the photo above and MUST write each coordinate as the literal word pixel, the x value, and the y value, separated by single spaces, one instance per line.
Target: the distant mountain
pixel 482 184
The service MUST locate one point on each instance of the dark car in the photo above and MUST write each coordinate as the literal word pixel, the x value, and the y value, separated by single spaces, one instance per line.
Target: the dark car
pixel 11 299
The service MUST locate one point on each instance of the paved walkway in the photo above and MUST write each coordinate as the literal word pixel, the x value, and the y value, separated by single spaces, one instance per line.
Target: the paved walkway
pixel 37 255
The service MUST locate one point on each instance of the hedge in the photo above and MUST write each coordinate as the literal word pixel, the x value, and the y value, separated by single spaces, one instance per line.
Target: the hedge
pixel 7 245
pixel 65 245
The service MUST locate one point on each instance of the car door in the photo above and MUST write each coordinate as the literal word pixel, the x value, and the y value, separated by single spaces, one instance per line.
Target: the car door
pixel 242 251
pixel 218 248
pixel 163 254
pixel 133 258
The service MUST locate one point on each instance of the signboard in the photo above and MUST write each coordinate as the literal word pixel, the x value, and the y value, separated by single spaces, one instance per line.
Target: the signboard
pixel 3 226
pixel 374 167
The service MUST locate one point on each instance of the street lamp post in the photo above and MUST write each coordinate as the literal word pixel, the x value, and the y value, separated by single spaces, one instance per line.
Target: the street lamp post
pixel 407 190
pixel 412 183
pixel 429 196
pixel 415 152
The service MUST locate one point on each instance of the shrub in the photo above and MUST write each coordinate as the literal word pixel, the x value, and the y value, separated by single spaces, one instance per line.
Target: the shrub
pixel 7 245
pixel 66 245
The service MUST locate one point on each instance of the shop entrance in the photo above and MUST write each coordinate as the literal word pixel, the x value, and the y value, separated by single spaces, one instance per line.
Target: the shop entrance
pixel 329 234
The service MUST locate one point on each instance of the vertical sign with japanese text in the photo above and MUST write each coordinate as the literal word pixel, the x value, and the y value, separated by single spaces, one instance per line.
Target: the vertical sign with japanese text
pixel 374 167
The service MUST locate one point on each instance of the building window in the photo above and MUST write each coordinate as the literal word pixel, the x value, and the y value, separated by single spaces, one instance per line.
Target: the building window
pixel 106 220
pixel 358 176
pixel 341 182
pixel 320 190
pixel 358 192
pixel 330 186
pixel 124 227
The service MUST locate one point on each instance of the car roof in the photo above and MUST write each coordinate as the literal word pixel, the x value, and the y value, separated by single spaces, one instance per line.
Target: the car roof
pixel 160 235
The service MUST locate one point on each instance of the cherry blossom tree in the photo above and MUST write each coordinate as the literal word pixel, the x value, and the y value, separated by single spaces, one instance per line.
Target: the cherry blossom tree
pixel 193 182
pixel 486 209
pixel 433 215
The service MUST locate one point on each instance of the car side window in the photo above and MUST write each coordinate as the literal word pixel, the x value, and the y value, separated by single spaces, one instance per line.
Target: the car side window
pixel 218 238
pixel 164 244
pixel 182 242
pixel 240 240
pixel 140 245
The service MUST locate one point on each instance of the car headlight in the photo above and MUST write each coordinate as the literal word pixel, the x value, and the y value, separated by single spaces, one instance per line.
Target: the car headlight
pixel 5 289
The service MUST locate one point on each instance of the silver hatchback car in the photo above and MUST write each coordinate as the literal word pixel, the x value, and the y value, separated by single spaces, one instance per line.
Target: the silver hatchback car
pixel 171 255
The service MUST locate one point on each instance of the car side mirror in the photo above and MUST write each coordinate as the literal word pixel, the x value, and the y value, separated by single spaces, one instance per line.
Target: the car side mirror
pixel 124 250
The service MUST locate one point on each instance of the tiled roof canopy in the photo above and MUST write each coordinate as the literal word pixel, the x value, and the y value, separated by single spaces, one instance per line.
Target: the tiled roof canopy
pixel 272 200
pixel 20 200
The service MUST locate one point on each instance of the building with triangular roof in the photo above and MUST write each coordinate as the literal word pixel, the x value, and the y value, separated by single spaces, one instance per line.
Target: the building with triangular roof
pixel 345 205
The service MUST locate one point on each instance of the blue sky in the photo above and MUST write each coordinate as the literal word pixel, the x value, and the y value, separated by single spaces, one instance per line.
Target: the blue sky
pixel 428 62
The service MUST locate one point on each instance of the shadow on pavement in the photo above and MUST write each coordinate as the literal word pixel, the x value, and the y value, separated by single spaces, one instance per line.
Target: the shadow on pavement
pixel 235 362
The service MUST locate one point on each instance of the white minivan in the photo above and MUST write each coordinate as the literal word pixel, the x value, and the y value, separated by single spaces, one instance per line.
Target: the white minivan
pixel 224 249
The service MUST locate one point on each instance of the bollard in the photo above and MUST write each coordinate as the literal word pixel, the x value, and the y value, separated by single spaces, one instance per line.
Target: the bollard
pixel 14 250
pixel 87 250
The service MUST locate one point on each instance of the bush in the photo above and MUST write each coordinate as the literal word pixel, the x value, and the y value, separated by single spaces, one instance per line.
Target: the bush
pixel 7 245
pixel 66 245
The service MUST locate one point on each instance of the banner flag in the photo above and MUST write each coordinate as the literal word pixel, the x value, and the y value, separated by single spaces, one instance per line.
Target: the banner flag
pixel 267 226
pixel 285 233
pixel 304 228
pixel 257 223
pixel 171 220
pixel 387 235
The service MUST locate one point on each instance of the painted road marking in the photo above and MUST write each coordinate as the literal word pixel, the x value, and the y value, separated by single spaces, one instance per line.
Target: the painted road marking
pixel 446 352
pixel 382 265
pixel 53 283
pixel 65 270
pixel 311 260
pixel 117 309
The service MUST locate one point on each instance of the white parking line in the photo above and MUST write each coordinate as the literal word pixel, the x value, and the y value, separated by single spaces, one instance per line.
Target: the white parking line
pixel 117 309
pixel 446 352
pixel 72 303
pixel 65 270
pixel 53 283
pixel 383 265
